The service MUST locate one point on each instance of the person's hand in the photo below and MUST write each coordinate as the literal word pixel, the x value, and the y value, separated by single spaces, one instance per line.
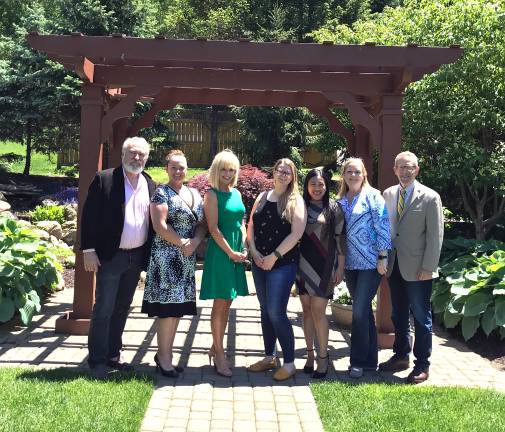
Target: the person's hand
pixel 91 261
pixel 258 258
pixel 237 257
pixel 382 266
pixel 189 247
pixel 423 275
pixel 268 262
pixel 183 242
pixel 339 276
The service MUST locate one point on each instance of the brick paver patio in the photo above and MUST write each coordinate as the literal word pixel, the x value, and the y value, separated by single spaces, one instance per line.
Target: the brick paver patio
pixel 200 400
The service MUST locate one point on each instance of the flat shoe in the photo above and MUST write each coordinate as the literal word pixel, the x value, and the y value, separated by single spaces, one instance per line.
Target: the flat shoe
pixel 282 374
pixel 264 365
pixel 355 372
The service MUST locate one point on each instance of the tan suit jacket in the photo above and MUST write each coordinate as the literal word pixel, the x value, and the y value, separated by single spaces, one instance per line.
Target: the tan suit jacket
pixel 417 235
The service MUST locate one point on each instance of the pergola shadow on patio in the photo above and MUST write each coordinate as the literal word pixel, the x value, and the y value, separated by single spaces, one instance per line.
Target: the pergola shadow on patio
pixel 118 71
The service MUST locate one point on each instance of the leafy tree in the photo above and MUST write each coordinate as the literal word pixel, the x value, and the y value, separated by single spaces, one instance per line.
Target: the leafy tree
pixel 28 102
pixel 455 118
pixel 269 133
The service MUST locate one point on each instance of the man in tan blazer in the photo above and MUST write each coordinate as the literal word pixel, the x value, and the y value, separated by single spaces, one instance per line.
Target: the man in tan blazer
pixel 417 228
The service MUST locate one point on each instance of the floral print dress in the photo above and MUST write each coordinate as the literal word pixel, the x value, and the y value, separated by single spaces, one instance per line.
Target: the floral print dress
pixel 170 289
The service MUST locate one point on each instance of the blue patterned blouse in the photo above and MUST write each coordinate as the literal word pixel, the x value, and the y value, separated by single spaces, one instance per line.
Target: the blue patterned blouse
pixel 367 229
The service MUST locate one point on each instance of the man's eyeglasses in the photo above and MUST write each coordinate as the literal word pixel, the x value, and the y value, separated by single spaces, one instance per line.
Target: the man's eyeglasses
pixel 408 168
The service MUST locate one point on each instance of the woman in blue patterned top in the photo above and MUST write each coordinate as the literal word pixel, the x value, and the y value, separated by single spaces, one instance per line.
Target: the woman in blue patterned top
pixel 368 240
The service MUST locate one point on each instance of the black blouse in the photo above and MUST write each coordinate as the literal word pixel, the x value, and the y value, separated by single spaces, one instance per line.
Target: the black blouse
pixel 269 232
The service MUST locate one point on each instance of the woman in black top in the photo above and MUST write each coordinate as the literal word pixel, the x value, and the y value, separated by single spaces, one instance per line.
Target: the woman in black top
pixel 277 222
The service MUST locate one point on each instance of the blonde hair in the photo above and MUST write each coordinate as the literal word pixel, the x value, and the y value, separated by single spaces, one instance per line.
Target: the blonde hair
pixel 286 204
pixel 343 185
pixel 174 152
pixel 224 159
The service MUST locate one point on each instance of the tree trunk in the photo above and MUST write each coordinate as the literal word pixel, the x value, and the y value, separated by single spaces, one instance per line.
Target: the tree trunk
pixel 28 159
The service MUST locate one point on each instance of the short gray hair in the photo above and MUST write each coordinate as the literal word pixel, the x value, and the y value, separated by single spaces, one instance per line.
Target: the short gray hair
pixel 407 155
pixel 135 140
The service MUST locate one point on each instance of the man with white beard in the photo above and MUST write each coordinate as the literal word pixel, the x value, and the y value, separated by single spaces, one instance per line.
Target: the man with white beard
pixel 116 235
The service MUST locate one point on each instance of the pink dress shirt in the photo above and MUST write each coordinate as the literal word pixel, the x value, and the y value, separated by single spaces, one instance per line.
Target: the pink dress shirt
pixel 136 214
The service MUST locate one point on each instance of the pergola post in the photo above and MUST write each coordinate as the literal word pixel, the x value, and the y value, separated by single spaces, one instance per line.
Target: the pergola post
pixel 390 118
pixel 90 151
pixel 364 149
pixel 119 134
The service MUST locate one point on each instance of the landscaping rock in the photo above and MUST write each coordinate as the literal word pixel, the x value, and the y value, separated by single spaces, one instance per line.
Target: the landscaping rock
pixel 9 215
pixel 68 225
pixel 69 236
pixel 2 197
pixel 70 213
pixel 52 227
pixel 4 205
pixel 49 202
pixel 44 235
pixel 25 224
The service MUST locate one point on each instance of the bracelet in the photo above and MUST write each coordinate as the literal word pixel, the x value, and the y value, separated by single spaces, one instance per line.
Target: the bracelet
pixel 277 254
pixel 383 257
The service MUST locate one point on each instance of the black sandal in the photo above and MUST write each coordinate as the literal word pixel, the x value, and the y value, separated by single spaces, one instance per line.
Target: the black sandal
pixel 321 375
pixel 308 369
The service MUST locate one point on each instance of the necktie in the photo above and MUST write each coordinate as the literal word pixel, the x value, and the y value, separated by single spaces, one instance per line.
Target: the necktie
pixel 401 202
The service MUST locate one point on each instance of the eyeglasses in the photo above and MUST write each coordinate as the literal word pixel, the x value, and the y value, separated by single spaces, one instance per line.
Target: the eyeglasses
pixel 356 173
pixel 283 173
pixel 141 155
pixel 408 168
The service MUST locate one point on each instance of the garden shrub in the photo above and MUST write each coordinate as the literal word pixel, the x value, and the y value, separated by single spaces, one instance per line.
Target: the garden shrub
pixel 48 213
pixel 471 287
pixel 251 182
pixel 69 170
pixel 28 269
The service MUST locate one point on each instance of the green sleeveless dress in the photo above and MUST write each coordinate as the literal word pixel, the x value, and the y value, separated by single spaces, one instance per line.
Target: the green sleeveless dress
pixel 222 278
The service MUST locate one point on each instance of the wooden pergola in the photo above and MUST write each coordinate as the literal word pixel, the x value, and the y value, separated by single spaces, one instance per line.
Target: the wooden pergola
pixel 118 71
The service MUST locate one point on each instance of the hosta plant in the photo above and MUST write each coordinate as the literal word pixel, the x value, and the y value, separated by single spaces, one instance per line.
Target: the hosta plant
pixel 28 269
pixel 471 288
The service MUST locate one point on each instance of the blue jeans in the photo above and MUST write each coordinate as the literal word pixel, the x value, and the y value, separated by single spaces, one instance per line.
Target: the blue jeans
pixel 363 285
pixel 116 281
pixel 406 297
pixel 273 290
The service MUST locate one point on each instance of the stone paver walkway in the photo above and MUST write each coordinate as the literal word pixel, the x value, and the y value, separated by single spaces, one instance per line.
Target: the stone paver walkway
pixel 200 400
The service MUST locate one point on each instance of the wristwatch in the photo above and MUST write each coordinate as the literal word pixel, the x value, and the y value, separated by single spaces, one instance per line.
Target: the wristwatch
pixel 277 254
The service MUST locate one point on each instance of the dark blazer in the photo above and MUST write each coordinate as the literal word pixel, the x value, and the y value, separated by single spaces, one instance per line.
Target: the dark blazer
pixel 103 214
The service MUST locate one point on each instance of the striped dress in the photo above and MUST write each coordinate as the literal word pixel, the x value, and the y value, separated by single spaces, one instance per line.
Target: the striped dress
pixel 322 242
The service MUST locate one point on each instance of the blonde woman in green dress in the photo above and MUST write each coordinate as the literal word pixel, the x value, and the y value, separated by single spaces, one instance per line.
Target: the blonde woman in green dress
pixel 223 272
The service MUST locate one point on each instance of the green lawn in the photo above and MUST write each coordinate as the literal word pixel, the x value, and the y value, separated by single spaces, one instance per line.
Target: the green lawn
pixel 159 174
pixel 383 407
pixel 61 400
pixel 41 164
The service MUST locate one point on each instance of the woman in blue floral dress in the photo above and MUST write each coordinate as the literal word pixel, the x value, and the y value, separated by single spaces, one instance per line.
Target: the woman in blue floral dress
pixel 170 290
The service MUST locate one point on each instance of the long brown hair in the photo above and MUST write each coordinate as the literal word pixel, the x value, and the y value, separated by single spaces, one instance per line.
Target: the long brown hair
pixel 343 185
pixel 287 201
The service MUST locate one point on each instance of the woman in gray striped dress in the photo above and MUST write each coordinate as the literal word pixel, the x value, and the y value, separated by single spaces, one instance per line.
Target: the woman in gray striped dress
pixel 322 254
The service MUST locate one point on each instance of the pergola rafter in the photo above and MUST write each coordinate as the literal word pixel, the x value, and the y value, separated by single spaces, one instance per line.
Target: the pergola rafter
pixel 118 71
